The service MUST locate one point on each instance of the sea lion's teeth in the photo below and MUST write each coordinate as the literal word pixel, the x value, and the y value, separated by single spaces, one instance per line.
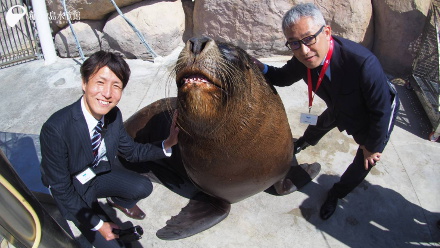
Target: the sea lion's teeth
pixel 202 80
pixel 195 79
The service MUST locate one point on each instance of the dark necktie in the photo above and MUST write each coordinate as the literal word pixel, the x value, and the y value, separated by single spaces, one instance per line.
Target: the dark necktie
pixel 96 140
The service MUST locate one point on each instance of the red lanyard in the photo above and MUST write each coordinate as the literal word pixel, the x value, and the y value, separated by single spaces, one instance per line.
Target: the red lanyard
pixel 321 74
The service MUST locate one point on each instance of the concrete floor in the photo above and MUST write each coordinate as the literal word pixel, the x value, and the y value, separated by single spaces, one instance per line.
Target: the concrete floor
pixel 397 205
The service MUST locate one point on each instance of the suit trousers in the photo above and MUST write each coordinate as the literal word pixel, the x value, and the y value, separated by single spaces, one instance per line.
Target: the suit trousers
pixel 125 187
pixel 355 172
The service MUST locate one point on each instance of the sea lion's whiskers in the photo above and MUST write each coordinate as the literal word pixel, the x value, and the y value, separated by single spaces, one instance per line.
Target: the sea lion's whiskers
pixel 235 138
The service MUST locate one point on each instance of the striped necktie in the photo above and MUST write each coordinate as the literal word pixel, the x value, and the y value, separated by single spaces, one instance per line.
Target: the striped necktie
pixel 96 140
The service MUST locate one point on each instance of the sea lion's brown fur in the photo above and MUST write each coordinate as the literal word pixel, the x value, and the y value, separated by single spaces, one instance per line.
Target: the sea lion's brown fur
pixel 235 139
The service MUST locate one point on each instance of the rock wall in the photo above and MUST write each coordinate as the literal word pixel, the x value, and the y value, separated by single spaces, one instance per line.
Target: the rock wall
pixel 89 34
pixel 397 25
pixel 162 24
pixel 88 9
pixel 253 25
pixel 386 27
pixel 351 19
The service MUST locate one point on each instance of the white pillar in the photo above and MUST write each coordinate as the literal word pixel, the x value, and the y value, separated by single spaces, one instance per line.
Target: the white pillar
pixel 44 33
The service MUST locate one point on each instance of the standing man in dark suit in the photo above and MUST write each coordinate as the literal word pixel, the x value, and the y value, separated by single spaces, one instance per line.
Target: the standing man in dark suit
pixel 79 147
pixel 351 81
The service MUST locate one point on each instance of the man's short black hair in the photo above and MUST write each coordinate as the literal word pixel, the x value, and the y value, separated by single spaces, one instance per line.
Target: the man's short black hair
pixel 99 59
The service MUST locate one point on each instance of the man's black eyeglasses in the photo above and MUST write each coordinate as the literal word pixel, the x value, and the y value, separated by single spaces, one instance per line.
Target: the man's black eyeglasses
pixel 308 41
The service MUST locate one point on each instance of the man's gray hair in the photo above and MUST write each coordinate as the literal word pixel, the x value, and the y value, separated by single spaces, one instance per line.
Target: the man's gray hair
pixel 302 10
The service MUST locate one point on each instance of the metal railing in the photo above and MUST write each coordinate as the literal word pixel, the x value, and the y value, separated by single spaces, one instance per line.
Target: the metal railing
pixel 131 24
pixel 18 42
pixel 426 68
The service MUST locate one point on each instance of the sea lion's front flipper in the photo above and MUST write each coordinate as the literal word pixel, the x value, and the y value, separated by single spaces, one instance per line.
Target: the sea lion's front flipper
pixel 201 213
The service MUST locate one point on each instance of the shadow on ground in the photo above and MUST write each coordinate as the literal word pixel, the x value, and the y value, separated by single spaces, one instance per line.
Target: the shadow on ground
pixel 412 117
pixel 378 216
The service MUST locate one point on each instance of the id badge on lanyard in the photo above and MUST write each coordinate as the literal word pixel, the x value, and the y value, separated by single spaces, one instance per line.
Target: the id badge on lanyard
pixel 309 118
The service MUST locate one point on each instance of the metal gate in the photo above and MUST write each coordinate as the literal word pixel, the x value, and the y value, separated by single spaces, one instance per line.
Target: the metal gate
pixel 18 39
pixel 425 70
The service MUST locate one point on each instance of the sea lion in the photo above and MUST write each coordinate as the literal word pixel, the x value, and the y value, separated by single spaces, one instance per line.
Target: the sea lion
pixel 235 139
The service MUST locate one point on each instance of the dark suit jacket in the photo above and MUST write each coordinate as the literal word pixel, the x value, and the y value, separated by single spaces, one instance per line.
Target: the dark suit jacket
pixel 66 150
pixel 359 96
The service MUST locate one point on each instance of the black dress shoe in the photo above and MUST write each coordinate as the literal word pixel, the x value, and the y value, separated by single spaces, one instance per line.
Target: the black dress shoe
pixel 299 145
pixel 329 206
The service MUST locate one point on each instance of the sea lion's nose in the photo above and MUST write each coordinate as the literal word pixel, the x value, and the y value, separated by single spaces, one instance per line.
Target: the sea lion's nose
pixel 198 44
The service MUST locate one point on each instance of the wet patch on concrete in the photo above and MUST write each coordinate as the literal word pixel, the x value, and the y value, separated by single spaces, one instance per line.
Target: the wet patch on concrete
pixel 376 172
pixel 351 220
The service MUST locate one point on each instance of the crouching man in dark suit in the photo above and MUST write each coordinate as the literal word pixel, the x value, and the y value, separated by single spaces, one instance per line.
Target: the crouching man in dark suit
pixel 351 81
pixel 79 148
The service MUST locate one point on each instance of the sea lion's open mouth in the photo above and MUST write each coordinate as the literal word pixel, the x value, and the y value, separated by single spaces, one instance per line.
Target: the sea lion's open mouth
pixel 198 79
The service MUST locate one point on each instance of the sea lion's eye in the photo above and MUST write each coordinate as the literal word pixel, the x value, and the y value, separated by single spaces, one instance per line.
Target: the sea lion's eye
pixel 228 53
pixel 231 54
